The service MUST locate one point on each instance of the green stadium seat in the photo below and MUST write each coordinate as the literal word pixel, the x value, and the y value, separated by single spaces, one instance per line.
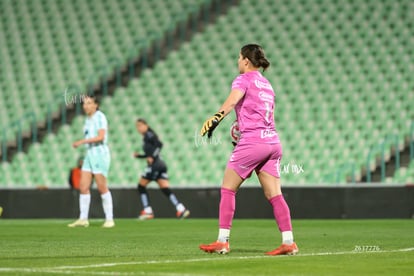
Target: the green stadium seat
pixel 341 85
pixel 56 50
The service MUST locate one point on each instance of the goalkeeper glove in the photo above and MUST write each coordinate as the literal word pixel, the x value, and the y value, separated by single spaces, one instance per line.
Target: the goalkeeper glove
pixel 211 123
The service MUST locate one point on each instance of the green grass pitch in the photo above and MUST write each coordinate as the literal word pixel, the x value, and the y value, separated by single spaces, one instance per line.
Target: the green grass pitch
pixel 170 247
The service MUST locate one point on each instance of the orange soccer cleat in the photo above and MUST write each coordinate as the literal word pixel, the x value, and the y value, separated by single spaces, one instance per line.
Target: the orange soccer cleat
pixel 145 216
pixel 284 249
pixel 217 247
pixel 184 214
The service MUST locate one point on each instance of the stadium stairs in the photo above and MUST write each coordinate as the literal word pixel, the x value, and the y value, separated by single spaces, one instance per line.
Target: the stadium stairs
pixel 156 51
pixel 395 161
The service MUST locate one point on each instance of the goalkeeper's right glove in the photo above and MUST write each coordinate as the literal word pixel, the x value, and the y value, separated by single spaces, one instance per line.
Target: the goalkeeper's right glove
pixel 211 123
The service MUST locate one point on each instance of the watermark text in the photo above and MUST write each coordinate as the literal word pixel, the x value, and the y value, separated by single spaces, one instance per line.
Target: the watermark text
pixel 200 141
pixel 290 167
pixel 73 97
pixel 366 248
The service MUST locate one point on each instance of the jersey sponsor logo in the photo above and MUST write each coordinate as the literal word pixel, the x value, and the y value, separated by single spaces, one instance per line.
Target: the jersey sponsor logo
pixel 266 97
pixel 262 85
pixel 267 133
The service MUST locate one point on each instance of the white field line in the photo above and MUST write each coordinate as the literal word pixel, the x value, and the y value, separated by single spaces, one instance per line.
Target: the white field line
pixel 68 269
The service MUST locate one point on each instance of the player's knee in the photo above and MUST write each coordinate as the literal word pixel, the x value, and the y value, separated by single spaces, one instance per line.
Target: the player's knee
pixel 84 190
pixel 142 189
pixel 167 192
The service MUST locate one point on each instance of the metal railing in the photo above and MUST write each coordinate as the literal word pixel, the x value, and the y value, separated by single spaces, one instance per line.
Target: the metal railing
pixel 412 141
pixel 344 169
pixel 380 149
pixel 376 150
pixel 16 127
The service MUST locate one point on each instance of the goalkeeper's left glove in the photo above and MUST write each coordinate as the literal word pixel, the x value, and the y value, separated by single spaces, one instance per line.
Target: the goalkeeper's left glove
pixel 211 123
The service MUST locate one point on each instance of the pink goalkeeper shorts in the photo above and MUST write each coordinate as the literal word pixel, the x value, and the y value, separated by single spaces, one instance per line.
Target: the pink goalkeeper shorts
pixel 247 157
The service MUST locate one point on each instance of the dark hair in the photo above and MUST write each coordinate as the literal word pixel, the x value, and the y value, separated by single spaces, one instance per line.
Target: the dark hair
pixel 94 98
pixel 141 120
pixel 256 55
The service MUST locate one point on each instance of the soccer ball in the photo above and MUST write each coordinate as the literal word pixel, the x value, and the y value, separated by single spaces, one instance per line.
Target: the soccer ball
pixel 235 132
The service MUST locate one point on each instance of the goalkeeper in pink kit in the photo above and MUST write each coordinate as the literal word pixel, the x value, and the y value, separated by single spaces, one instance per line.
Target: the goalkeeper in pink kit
pixel 258 149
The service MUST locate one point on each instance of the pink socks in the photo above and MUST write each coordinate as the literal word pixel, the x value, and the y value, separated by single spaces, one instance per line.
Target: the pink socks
pixel 281 213
pixel 227 208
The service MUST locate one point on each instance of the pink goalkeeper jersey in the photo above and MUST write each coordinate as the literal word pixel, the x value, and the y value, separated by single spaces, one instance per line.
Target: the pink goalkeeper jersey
pixel 255 110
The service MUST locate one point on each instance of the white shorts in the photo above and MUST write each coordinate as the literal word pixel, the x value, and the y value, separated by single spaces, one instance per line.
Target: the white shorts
pixel 97 163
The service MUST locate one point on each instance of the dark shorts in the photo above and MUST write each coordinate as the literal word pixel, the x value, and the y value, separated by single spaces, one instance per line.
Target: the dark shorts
pixel 155 171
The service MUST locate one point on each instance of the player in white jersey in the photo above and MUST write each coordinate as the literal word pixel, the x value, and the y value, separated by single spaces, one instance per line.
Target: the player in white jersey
pixel 95 164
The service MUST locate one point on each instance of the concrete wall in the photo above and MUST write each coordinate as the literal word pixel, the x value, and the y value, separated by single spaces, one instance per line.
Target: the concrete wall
pixel 305 202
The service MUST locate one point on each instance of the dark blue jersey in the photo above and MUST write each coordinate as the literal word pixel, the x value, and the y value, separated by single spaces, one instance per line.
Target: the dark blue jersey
pixel 152 145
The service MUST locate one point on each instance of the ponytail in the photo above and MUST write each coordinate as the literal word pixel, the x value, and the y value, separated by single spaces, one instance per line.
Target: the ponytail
pixel 256 55
pixel 264 63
